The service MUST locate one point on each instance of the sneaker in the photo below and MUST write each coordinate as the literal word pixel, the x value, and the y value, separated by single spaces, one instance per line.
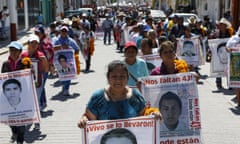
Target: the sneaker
pixel 13 138
pixel 37 126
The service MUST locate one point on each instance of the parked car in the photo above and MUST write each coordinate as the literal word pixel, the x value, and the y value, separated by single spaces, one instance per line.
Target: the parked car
pixel 186 16
pixel 157 15
pixel 70 13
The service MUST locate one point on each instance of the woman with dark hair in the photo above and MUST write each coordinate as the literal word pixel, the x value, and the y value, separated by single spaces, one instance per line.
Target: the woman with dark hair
pixel 119 136
pixel 14 63
pixel 170 63
pixel 117 100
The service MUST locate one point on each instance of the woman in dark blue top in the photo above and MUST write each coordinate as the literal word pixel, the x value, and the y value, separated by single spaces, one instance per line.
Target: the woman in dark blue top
pixel 116 101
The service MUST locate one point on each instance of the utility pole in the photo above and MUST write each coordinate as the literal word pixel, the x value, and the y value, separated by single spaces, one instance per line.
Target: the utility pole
pixel 13 19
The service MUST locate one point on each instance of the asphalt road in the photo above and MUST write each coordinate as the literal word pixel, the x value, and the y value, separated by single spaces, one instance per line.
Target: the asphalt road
pixel 219 116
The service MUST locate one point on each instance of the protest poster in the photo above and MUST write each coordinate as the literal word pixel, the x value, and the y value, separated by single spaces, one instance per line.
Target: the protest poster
pixel 152 61
pixel 64 62
pixel 177 98
pixel 18 100
pixel 219 60
pixel 139 130
pixel 234 70
pixel 189 50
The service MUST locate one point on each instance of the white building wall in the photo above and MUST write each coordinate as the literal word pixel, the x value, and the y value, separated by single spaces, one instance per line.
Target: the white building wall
pixel 59 9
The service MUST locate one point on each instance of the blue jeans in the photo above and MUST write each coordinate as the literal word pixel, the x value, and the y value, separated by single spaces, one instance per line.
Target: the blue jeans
pixel 3 28
pixel 66 85
pixel 43 99
pixel 107 33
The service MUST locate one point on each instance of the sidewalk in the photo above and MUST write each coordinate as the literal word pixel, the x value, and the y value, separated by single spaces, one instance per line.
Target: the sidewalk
pixel 22 37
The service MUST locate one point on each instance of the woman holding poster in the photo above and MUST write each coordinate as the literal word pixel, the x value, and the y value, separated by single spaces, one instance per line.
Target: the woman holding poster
pixel 116 101
pixel 170 63
pixel 14 63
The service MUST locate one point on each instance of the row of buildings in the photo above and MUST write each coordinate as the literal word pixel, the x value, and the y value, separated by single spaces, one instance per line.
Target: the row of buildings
pixel 214 9
pixel 27 11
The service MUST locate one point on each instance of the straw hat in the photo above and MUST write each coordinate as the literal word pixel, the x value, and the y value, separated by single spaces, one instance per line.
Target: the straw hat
pixel 192 20
pixel 224 21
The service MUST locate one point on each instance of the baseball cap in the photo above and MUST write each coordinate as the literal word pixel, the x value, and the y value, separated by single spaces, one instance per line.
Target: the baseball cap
pixel 33 37
pixel 64 28
pixel 16 45
pixel 130 44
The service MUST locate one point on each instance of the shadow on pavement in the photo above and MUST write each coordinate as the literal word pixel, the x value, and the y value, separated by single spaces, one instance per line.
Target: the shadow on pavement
pixel 86 72
pixel 58 83
pixel 47 113
pixel 32 135
pixel 235 110
pixel 60 97
pixel 226 92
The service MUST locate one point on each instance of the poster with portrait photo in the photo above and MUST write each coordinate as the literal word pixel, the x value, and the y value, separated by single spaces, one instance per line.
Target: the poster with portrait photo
pixel 18 99
pixel 176 96
pixel 189 50
pixel 234 70
pixel 219 61
pixel 152 61
pixel 139 130
pixel 64 62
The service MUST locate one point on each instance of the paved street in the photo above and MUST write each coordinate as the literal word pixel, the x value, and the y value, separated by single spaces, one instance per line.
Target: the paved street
pixel 220 118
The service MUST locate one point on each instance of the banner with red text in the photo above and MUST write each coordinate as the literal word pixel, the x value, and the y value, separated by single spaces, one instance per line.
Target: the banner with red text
pixel 64 62
pixel 18 100
pixel 177 98
pixel 139 130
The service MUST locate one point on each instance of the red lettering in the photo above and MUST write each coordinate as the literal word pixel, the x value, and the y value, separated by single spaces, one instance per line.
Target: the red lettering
pixel 150 82
pixel 167 142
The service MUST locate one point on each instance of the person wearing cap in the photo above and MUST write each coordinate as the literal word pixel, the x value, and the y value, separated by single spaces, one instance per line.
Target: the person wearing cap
pixel 14 63
pixel 107 26
pixel 231 45
pixel 46 47
pixel 137 67
pixel 42 65
pixel 192 23
pixel 142 34
pixel 63 41
pixel 84 20
pixel 224 30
